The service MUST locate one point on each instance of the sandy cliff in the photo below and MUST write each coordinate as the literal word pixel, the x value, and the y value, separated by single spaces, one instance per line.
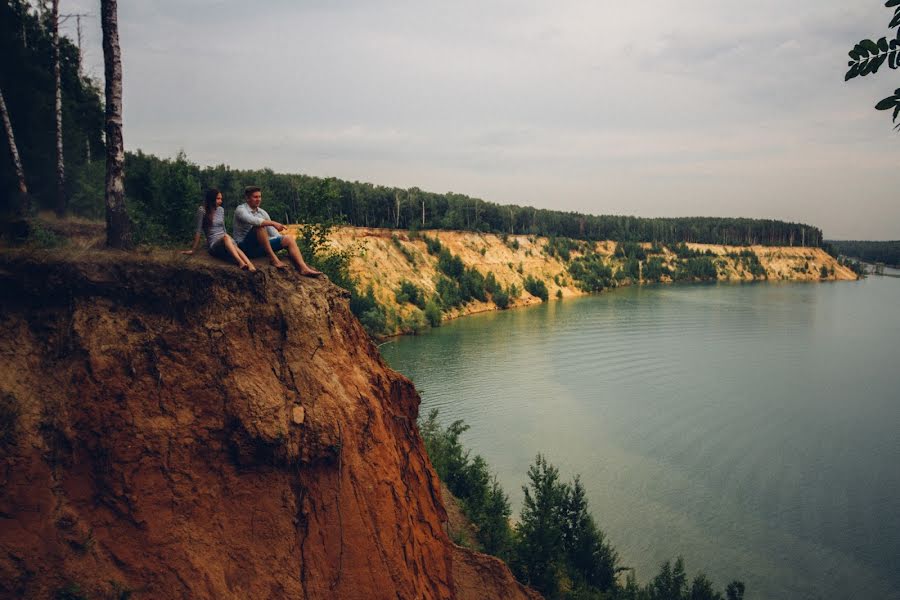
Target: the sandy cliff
pixel 185 430
pixel 384 258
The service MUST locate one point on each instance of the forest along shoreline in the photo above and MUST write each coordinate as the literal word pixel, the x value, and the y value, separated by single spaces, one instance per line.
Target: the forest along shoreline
pixel 406 281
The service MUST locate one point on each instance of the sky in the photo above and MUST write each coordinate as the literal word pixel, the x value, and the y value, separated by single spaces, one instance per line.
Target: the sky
pixel 658 108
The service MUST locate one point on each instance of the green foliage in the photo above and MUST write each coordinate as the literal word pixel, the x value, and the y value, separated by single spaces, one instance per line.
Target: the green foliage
pixel 89 190
pixel 655 269
pixel 630 250
pixel 162 198
pixel 406 252
pixel 750 261
pixel 29 90
pixel 414 323
pixel 433 245
pixel 884 252
pixel 696 269
pixel 536 287
pixel 683 251
pixel 501 299
pixel 450 265
pixel 562 247
pixel 410 293
pixel 539 551
pixel 868 56
pixel 823 272
pixel 631 270
pixel 484 501
pixel 370 313
pixel 433 313
pixel 448 293
pixel 591 273
pixel 491 285
pixel 557 539
pixel 556 546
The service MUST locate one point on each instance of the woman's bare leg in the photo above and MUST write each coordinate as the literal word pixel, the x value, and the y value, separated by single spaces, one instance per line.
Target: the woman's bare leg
pixel 249 264
pixel 234 251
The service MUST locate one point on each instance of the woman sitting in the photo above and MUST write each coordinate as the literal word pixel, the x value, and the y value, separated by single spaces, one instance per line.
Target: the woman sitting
pixel 211 221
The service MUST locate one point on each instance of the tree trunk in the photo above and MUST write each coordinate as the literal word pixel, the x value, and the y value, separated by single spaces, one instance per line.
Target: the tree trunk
pixel 118 225
pixel 61 200
pixel 24 204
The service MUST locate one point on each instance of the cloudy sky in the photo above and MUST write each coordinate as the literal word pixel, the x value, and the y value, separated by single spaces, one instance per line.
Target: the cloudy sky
pixel 657 108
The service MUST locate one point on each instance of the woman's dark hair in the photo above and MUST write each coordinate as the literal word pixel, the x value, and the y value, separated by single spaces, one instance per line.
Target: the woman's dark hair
pixel 209 207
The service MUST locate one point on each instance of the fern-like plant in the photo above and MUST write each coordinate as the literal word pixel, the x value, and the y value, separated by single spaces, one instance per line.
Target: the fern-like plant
pixel 868 56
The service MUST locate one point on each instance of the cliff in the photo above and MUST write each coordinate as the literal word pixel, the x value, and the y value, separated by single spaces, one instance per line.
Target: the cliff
pixel 383 258
pixel 176 428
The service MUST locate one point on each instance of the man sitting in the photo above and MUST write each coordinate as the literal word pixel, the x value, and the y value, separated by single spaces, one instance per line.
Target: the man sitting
pixel 257 235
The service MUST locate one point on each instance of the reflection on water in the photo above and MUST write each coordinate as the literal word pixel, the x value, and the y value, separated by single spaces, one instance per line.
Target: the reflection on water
pixel 751 428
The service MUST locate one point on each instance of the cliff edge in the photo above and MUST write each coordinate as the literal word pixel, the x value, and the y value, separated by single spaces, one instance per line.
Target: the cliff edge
pixel 182 429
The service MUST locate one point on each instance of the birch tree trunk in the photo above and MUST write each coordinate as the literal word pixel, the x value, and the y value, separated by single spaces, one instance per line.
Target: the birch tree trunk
pixel 24 203
pixel 118 225
pixel 61 200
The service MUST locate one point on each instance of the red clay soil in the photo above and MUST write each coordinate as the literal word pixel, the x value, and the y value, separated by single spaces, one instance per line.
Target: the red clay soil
pixel 181 429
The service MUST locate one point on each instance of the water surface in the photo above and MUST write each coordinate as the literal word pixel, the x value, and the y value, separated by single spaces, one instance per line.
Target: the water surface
pixel 751 428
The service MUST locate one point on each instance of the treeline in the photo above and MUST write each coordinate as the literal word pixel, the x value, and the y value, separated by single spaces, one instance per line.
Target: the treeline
pixel 555 545
pixel 883 252
pixel 154 183
pixel 28 86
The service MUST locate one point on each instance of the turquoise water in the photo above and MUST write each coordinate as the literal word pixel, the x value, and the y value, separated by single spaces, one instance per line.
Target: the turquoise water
pixel 753 429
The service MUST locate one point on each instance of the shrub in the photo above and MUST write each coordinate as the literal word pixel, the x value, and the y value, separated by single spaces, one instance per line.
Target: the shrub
pixel 536 287
pixel 655 269
pixel 591 273
pixel 491 285
pixel 414 323
pixel 433 245
pixel 630 250
pixel 450 264
pixel 410 293
pixel 501 299
pixel 433 313
pixel 448 293
pixel 697 269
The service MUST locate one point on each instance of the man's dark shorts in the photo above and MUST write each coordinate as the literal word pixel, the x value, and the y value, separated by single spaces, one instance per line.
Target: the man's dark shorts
pixel 250 245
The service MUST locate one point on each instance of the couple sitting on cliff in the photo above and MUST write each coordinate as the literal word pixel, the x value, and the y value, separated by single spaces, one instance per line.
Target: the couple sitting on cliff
pixel 255 234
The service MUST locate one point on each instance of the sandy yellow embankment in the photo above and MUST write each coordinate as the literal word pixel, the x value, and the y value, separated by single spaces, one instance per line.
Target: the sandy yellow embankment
pixel 383 258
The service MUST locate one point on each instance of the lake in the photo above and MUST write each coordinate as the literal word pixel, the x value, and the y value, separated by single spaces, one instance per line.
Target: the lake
pixel 753 429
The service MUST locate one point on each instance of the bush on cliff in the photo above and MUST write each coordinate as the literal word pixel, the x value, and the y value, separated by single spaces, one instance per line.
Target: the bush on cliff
pixel 536 287
pixel 591 273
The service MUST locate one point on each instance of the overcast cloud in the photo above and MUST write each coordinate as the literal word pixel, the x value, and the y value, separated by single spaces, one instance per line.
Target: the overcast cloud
pixel 659 108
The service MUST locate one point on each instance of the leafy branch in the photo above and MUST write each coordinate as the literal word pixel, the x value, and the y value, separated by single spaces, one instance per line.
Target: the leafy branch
pixel 868 56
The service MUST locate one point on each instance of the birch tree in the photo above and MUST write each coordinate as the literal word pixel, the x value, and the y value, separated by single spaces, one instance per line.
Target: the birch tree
pixel 24 204
pixel 118 224
pixel 61 200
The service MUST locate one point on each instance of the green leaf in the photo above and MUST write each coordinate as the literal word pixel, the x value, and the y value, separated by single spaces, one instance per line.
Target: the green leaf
pixel 891 3
pixel 896 112
pixel 870 46
pixel 882 45
pixel 886 104
pixel 896 20
pixel 853 72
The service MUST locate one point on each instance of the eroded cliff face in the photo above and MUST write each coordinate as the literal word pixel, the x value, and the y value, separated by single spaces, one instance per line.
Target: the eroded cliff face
pixel 186 430
pixel 383 258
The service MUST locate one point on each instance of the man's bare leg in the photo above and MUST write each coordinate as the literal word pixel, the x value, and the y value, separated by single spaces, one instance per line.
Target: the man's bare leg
pixel 290 244
pixel 262 236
